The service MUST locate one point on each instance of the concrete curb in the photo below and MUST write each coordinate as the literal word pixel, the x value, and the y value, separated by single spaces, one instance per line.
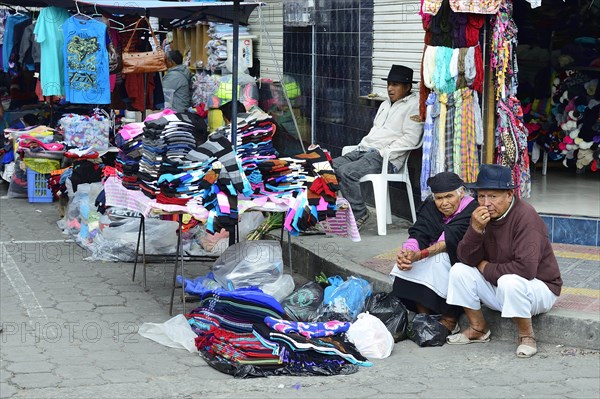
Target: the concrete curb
pixel 558 327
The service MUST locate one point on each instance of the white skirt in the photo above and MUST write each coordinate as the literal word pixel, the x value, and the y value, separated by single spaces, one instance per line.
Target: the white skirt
pixel 431 272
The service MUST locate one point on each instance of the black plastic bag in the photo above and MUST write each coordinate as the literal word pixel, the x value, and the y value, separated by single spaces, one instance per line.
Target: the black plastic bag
pixel 391 311
pixel 302 304
pixel 426 330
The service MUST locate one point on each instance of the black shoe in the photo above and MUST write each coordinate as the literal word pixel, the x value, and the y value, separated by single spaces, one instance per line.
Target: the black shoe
pixel 361 220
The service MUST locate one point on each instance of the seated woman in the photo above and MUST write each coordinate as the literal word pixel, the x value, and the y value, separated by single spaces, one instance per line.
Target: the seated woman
pixel 423 265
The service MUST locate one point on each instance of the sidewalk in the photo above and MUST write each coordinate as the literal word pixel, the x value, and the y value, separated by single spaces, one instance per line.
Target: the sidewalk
pixel 70 331
pixel 574 320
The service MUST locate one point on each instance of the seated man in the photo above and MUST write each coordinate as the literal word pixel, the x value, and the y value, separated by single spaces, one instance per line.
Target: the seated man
pixel 396 125
pixel 508 263
pixel 423 265
pixel 176 82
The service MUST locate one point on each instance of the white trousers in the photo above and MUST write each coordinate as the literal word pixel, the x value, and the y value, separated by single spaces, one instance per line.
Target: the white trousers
pixel 431 272
pixel 514 296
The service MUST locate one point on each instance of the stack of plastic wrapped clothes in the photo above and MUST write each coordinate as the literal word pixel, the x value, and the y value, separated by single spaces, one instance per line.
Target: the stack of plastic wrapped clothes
pixel 127 163
pixel 240 333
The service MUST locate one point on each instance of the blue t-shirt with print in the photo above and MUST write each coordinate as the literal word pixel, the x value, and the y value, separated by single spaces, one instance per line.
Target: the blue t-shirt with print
pixel 86 61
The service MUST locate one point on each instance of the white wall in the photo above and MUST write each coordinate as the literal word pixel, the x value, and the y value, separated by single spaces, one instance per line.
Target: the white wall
pixel 271 34
pixel 398 38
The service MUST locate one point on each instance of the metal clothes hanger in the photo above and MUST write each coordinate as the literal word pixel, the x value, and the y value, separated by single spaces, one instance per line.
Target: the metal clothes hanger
pixel 79 12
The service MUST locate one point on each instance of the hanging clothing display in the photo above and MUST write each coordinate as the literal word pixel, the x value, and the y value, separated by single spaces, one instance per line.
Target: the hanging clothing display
pixel 14 27
pixel 49 34
pixel 86 61
pixel 452 81
pixel 511 134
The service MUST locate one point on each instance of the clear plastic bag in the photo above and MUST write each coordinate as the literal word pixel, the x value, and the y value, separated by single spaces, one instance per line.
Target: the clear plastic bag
pixel 371 337
pixel 174 333
pixel 249 263
pixel 161 235
pixel 281 288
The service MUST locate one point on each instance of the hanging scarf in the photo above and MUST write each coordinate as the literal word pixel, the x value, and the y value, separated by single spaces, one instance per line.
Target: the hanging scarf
pixel 449 139
pixel 457 143
pixel 511 133
pixel 469 165
pixel 427 144
pixel 441 138
pixel 461 82
pixel 423 90
pixel 442 80
pixel 435 116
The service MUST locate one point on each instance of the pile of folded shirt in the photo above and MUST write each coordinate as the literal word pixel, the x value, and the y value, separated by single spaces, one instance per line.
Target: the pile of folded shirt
pixel 127 163
pixel 165 144
pixel 254 141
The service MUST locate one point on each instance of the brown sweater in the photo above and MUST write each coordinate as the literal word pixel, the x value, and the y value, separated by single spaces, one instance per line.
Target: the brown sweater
pixel 517 244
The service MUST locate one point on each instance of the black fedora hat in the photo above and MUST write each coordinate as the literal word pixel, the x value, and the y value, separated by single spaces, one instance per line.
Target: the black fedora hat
pixel 493 177
pixel 400 74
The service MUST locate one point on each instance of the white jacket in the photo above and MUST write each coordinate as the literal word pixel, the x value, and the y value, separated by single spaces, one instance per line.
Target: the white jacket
pixel 393 128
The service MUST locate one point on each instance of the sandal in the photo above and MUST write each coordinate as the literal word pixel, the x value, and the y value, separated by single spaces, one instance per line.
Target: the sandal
pixel 461 339
pixel 526 350
pixel 361 221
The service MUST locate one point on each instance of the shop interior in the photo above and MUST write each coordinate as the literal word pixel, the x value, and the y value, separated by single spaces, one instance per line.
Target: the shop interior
pixel 559 70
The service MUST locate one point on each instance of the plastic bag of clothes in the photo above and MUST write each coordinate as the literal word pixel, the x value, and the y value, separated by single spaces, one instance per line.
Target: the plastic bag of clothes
pixel 371 337
pixel 303 303
pixel 344 300
pixel 281 288
pixel 249 263
pixel 391 311
pixel 426 330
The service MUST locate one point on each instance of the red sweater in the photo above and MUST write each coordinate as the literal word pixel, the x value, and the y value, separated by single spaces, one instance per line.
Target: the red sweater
pixel 517 244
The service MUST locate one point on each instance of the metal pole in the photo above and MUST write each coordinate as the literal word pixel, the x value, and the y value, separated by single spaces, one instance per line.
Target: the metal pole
pixel 488 102
pixel 313 79
pixel 234 71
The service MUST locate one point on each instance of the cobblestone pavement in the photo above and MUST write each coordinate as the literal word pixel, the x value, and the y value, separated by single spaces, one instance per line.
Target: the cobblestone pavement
pixel 70 331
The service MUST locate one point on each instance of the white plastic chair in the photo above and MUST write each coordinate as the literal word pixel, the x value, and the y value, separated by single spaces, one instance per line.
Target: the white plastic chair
pixel 381 188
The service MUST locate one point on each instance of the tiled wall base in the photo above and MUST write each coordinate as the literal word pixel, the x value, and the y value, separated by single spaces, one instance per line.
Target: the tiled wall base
pixel 578 230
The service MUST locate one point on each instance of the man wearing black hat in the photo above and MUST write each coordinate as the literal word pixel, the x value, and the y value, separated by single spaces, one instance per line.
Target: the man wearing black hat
pixel 396 125
pixel 508 263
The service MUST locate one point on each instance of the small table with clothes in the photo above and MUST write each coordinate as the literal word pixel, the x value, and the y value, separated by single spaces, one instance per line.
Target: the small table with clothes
pixel 117 195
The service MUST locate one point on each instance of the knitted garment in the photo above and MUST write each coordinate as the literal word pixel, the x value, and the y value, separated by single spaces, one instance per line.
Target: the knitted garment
pixel 441 150
pixel 435 115
pixel 442 79
pixel 429 66
pixel 458 139
pixel 461 81
pixel 423 91
pixel 469 159
pixel 427 144
pixel 449 138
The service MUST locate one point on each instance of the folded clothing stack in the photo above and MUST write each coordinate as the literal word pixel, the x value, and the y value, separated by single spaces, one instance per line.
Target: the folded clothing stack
pixel 127 163
pixel 166 142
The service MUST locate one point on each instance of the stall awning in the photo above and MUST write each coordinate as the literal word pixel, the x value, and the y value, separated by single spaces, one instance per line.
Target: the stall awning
pixel 176 11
